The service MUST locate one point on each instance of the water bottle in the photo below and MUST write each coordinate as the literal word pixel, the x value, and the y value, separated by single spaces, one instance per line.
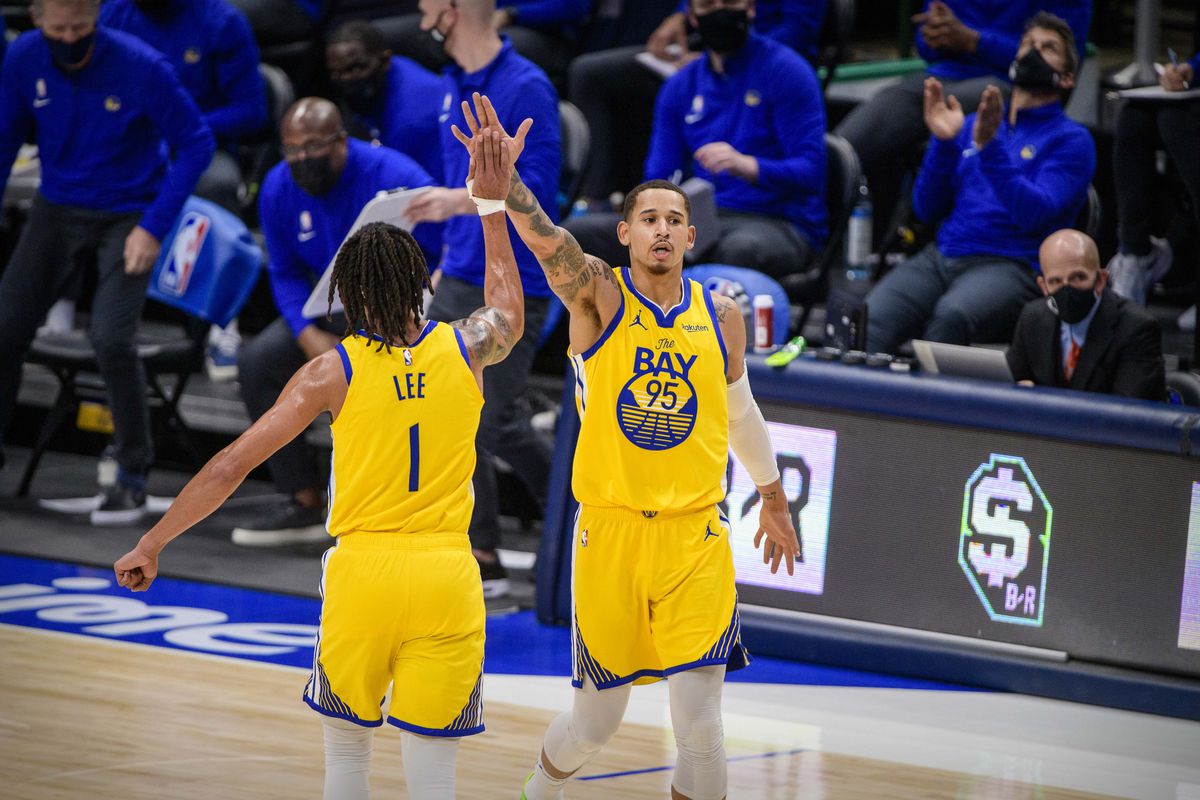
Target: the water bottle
pixel 764 322
pixel 106 469
pixel 858 237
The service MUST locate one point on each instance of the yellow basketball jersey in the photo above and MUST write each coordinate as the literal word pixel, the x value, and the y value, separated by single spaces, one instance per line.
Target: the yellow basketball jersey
pixel 404 442
pixel 651 397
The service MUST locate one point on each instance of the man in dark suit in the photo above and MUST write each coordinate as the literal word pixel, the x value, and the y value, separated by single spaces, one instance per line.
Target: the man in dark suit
pixel 1081 335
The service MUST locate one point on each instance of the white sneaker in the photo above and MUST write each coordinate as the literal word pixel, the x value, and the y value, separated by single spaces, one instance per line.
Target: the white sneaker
pixel 1133 277
pixel 60 318
pixel 221 360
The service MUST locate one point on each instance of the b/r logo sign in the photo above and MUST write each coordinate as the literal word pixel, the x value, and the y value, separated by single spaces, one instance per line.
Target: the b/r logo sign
pixel 1004 546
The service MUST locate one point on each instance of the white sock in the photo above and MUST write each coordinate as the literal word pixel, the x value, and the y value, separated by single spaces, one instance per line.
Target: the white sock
pixel 347 760
pixel 429 765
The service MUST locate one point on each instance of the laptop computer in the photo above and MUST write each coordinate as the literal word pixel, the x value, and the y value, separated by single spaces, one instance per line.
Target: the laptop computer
pixel 984 363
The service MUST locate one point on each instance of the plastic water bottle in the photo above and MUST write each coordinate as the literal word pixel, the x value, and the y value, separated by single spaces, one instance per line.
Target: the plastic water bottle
pixel 858 237
pixel 764 322
pixel 106 468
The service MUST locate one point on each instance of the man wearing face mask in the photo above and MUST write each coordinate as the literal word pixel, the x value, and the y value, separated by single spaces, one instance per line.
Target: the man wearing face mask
pixel 998 182
pixel 1081 335
pixel 210 45
pixel 100 105
pixel 387 100
pixel 486 63
pixel 748 117
pixel 307 204
pixel 968 46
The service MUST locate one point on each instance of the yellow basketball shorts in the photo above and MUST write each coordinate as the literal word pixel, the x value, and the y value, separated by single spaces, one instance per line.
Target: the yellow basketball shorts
pixel 653 595
pixel 408 610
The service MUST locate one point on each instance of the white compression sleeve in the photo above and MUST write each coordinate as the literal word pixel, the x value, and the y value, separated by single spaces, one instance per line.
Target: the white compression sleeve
pixel 429 766
pixel 700 770
pixel 347 760
pixel 748 434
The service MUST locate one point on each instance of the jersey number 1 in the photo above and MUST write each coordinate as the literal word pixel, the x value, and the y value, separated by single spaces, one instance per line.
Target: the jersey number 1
pixel 414 458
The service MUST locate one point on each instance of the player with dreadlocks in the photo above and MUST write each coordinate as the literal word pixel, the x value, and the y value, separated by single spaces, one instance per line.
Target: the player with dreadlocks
pixel 402 596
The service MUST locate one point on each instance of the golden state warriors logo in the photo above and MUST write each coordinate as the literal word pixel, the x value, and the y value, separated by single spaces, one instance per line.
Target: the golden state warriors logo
pixel 656 409
pixel 191 55
pixel 112 103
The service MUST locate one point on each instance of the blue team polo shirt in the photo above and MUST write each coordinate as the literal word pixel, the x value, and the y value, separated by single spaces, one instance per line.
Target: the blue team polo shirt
pixel 211 47
pixel 100 130
pixel 303 232
pixel 408 118
pixel 518 89
pixel 1004 200
pixel 767 104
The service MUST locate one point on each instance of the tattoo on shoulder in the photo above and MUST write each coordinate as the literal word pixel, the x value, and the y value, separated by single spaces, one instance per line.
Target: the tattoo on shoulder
pixel 722 306
pixel 487 336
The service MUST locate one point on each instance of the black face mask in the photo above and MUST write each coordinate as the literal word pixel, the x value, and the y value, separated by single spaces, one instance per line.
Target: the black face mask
pixel 362 94
pixel 1071 304
pixel 724 30
pixel 434 43
pixel 1031 71
pixel 154 7
pixel 314 175
pixel 67 56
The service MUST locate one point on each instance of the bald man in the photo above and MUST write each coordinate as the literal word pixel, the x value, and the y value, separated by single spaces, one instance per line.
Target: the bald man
pixel 306 207
pixel 1079 334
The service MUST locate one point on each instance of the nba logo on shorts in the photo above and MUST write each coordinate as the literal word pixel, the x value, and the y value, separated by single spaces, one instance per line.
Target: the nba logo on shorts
pixel 185 251
pixel 1004 542
pixel 583 538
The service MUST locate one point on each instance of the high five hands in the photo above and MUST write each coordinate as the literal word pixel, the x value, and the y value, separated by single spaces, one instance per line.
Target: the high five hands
pixel 484 120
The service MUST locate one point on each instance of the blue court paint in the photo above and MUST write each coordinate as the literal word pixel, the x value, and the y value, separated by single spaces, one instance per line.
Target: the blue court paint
pixel 755 757
pixel 280 629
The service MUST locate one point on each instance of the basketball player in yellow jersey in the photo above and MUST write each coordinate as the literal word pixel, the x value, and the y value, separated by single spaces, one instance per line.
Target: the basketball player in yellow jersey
pixel 662 394
pixel 402 598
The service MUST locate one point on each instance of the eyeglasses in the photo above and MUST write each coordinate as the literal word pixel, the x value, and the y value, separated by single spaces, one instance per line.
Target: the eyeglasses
pixel 311 149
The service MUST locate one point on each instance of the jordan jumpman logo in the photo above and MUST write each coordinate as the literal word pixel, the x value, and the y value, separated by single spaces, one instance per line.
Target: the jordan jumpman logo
pixel 637 320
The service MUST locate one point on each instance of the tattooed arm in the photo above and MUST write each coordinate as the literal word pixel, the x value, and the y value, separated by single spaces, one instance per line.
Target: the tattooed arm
pixel 586 285
pixel 733 331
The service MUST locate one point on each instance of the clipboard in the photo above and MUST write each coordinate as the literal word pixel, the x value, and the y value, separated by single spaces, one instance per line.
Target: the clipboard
pixel 386 206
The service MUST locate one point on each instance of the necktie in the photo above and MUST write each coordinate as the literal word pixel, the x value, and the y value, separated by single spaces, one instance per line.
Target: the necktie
pixel 1072 359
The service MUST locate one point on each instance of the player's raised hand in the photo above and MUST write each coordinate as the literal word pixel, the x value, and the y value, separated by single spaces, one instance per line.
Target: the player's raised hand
pixel 781 545
pixel 136 570
pixel 484 116
pixel 493 166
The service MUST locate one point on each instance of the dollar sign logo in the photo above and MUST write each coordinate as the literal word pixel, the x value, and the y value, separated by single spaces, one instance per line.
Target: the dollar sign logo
pixel 991 559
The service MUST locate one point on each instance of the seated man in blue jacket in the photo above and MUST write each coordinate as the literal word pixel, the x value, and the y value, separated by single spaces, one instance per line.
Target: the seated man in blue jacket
pixel 100 104
pixel 544 31
pixel 210 45
pixel 968 45
pixel 386 99
pixel 307 204
pixel 748 117
pixel 616 92
pixel 999 181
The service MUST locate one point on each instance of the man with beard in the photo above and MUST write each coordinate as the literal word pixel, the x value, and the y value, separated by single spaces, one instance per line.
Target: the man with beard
pixel 1082 335
pixel 210 45
pixel 307 205
pixel 100 105
pixel 386 99
pixel 999 182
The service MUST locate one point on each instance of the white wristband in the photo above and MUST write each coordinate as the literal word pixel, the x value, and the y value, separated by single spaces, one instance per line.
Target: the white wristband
pixel 483 205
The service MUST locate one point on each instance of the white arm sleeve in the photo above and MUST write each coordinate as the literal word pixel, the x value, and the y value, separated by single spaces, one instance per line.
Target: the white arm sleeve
pixel 748 436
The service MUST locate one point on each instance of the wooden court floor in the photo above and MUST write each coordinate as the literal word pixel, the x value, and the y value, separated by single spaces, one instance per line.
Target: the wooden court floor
pixel 82 717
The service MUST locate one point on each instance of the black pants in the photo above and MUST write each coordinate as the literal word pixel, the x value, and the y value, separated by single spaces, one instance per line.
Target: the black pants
pixel 770 245
pixel 616 95
pixel 887 130
pixel 54 245
pixel 265 364
pixel 1140 128
pixel 504 430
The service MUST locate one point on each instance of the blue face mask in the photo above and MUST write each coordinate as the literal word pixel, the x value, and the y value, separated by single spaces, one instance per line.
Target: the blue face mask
pixel 68 56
